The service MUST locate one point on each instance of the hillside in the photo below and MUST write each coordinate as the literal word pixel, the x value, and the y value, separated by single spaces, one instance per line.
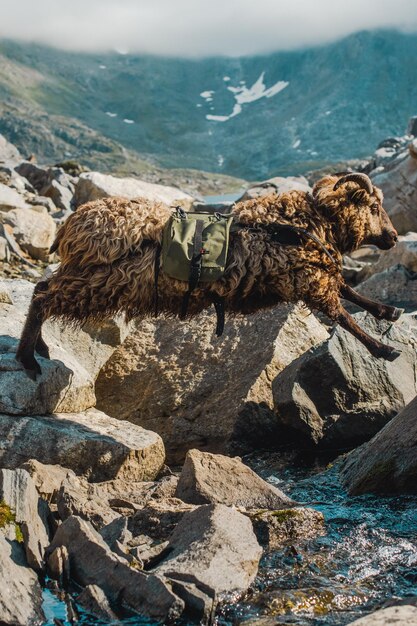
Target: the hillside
pixel 251 117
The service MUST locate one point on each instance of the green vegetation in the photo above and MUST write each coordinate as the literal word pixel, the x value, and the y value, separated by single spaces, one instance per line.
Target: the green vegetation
pixel 7 518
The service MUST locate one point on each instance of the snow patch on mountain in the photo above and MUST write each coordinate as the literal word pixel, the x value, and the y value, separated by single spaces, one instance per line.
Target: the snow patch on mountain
pixel 245 95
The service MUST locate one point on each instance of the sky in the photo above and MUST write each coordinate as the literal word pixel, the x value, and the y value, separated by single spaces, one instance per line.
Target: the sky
pixel 198 28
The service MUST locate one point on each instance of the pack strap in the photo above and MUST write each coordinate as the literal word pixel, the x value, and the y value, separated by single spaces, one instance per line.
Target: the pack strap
pixel 156 276
pixel 195 266
pixel 218 302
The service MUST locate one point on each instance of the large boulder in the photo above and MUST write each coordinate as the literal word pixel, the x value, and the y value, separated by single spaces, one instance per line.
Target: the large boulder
pixel 388 463
pixel 403 615
pixel 10 199
pixel 396 286
pixel 399 186
pixel 33 230
pixel 93 185
pixel 338 394
pixel 216 479
pixel 18 491
pixel 214 545
pixel 67 381
pixel 200 391
pixel 20 591
pixel 277 185
pixel 91 444
pixel 93 563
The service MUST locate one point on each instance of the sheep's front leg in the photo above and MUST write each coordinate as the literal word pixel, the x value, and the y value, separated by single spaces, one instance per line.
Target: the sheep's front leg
pixel 377 309
pixel 376 348
pixel 323 295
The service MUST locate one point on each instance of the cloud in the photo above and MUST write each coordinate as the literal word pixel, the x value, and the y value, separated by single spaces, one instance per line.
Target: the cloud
pixel 197 28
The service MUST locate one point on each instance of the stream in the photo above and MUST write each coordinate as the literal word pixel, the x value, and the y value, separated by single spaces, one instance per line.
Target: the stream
pixel 367 558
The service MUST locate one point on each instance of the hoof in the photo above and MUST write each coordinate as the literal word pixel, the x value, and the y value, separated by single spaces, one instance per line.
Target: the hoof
pixel 32 367
pixel 387 353
pixel 396 314
pixel 393 355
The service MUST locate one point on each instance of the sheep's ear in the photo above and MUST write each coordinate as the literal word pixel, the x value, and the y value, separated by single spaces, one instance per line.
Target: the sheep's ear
pixel 357 196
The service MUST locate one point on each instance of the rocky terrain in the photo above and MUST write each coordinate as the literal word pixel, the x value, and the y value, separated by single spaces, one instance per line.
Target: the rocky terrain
pixel 120 491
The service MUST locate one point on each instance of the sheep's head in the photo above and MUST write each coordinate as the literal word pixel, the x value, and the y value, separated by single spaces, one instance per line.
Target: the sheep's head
pixel 354 207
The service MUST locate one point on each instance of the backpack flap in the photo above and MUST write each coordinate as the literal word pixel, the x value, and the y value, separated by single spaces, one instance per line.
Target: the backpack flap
pixel 179 245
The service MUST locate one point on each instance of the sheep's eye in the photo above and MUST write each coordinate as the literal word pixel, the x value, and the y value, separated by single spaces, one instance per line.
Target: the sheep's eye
pixel 375 207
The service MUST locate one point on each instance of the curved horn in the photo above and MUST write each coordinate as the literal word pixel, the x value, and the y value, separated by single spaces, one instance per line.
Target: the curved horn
pixel 361 179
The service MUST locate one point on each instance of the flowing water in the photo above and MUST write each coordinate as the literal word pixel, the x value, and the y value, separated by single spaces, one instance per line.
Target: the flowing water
pixel 367 557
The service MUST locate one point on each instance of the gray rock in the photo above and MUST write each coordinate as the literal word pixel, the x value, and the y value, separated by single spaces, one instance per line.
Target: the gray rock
pixel 116 530
pixel 338 394
pixel 216 479
pixel 198 391
pixel 76 497
pixel 67 381
pixel 51 182
pixel 18 491
pixel 8 151
pixel 393 616
pixel 276 185
pixel 399 186
pixel 47 478
pixel 34 231
pixel 21 596
pixel 58 566
pixel 94 601
pixel 404 253
pixel 93 185
pixel 10 199
pixel 388 463
pixel 213 546
pixel 396 286
pixel 159 518
pixel 92 562
pixel 274 529
pixel 4 252
pixel 91 444
pixel 36 200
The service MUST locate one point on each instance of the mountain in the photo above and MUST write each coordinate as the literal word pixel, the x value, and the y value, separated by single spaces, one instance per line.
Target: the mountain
pixel 251 117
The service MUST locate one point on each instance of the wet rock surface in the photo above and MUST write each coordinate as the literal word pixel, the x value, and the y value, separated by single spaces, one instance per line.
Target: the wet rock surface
pixel 274 529
pixel 388 463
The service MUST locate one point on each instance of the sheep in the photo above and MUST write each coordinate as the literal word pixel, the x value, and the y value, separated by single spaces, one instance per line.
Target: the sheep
pixel 109 247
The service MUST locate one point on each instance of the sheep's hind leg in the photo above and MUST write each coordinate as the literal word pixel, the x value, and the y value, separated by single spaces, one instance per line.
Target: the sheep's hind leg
pixel 377 309
pixel 376 348
pixel 31 338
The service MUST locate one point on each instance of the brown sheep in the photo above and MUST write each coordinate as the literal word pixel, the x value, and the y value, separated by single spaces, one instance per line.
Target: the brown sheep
pixel 108 249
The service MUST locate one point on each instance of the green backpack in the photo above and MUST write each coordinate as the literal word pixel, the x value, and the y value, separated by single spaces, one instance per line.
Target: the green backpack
pixel 194 249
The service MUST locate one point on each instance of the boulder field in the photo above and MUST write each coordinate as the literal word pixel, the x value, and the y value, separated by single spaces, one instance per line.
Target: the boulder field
pixel 118 474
